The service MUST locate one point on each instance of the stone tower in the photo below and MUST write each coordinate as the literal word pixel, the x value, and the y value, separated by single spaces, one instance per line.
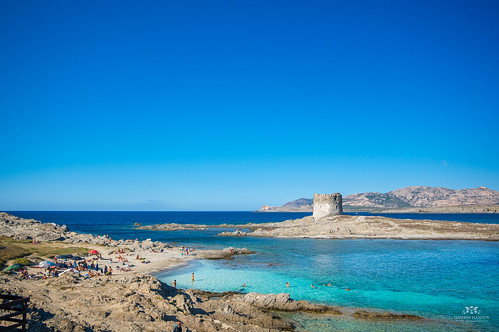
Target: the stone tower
pixel 326 205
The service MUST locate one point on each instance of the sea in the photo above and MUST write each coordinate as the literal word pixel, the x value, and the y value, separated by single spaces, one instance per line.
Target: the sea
pixel 453 284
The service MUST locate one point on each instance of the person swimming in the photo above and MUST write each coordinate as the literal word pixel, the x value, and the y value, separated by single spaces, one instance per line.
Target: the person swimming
pixel 287 284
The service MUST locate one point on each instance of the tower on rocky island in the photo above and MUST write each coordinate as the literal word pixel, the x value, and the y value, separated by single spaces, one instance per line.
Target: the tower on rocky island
pixel 326 205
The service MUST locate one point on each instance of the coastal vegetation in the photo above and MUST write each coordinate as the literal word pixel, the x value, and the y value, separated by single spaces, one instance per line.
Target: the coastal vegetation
pixel 24 251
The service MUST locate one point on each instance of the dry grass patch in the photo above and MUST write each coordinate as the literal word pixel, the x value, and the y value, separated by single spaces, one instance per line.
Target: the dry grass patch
pixel 11 249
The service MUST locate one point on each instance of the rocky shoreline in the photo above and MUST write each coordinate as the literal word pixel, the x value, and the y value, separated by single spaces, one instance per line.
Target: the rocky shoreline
pixel 27 229
pixel 138 301
pixel 355 227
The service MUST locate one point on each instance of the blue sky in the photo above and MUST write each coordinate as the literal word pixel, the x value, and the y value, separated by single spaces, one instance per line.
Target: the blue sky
pixel 228 105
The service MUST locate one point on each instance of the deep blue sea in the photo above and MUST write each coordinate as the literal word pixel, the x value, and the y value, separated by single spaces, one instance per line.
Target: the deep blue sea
pixel 455 283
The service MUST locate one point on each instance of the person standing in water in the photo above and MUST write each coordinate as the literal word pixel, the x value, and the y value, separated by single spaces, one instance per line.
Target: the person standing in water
pixel 287 284
pixel 192 276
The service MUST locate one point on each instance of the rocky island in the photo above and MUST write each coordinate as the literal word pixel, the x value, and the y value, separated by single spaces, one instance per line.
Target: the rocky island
pixel 329 222
pixel 414 199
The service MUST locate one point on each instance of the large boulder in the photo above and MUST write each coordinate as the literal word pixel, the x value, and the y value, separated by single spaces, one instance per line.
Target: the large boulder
pixel 267 301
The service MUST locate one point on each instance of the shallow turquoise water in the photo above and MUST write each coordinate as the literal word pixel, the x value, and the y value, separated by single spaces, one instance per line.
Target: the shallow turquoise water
pixel 435 279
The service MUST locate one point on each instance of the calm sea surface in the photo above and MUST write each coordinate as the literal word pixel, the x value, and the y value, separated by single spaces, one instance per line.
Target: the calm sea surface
pixel 441 280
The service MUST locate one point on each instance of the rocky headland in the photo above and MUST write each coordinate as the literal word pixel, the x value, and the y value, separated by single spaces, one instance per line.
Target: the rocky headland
pixel 27 229
pixel 357 227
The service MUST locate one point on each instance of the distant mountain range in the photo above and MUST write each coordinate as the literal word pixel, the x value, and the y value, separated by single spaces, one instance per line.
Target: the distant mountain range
pixel 405 198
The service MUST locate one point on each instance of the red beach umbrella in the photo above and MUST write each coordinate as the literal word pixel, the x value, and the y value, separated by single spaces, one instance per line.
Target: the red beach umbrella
pixel 95 252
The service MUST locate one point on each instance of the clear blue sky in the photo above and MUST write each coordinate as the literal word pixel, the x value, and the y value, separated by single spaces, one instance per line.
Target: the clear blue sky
pixel 228 105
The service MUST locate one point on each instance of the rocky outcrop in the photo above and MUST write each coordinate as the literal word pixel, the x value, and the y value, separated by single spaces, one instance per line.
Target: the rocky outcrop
pixel 226 253
pixel 282 302
pixel 237 233
pixel 267 301
pixel 27 229
pixel 177 227
pixel 384 316
pixel 355 227
pixel 415 196
pixel 369 227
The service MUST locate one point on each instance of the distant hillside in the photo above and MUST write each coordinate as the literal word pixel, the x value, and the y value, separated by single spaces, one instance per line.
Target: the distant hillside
pixel 409 197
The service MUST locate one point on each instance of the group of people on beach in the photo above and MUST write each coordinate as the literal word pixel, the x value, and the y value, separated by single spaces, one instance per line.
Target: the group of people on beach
pixel 64 265
pixel 92 269
pixel 26 275
pixel 185 250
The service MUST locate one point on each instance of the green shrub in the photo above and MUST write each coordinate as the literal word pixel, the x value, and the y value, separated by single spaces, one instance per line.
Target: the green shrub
pixel 23 261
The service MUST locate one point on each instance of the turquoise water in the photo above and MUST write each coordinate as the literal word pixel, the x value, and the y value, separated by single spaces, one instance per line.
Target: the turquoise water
pixel 435 279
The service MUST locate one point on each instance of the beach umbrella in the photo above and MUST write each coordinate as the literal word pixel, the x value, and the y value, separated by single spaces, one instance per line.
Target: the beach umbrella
pixel 64 256
pixel 14 267
pixel 94 252
pixel 45 264
pixel 77 258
